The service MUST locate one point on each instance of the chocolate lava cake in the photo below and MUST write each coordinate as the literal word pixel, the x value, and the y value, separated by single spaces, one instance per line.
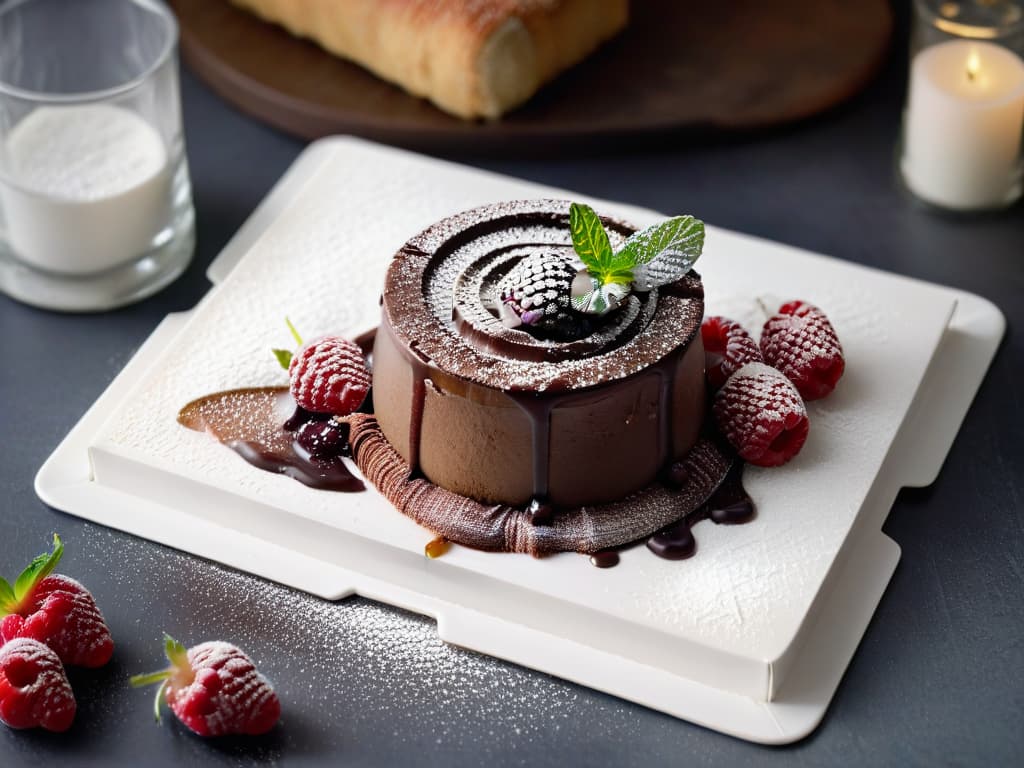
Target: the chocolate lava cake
pixel 564 419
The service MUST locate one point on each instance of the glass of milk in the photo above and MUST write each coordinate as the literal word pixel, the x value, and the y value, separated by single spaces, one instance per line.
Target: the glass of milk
pixel 95 201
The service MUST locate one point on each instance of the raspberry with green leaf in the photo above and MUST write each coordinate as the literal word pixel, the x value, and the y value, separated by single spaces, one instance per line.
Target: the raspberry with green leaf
pixel 214 689
pixel 55 610
pixel 328 375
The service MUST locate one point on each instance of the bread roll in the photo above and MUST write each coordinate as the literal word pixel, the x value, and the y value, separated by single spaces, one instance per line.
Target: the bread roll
pixel 472 58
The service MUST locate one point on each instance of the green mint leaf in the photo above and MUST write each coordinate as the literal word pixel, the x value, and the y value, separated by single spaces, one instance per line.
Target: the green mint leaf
pixel 41 567
pixel 140 681
pixel 295 334
pixel 284 357
pixel 589 239
pixel 663 253
pixel 618 275
pixel 176 653
pixel 7 599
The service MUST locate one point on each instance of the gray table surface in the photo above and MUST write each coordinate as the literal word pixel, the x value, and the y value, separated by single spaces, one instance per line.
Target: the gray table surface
pixel 938 678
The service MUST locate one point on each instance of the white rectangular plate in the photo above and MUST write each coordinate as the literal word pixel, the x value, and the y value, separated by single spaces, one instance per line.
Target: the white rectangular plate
pixel 749 637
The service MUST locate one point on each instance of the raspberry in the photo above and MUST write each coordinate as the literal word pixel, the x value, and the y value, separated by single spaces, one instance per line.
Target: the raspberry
pixel 537 293
pixel 56 611
pixel 214 689
pixel 760 412
pixel 727 348
pixel 801 342
pixel 329 375
pixel 34 690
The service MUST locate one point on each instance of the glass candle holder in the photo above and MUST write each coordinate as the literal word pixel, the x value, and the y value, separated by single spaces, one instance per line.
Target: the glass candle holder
pixel 964 120
pixel 95 200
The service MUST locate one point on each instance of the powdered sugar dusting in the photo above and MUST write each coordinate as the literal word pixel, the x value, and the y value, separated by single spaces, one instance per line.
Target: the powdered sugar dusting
pixel 343 667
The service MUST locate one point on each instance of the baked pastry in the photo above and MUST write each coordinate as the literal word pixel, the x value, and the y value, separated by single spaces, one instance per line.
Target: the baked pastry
pixel 507 416
pixel 472 58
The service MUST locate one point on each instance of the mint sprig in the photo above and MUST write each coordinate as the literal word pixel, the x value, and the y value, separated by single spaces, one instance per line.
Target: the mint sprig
pixel 590 241
pixel 42 566
pixel 665 252
pixel 655 256
pixel 284 356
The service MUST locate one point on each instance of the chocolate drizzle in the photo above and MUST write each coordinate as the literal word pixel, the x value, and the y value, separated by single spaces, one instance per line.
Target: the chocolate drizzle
pixel 606 558
pixel 419 396
pixel 538 411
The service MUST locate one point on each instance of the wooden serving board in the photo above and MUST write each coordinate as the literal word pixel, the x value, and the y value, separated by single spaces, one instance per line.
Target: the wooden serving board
pixel 680 66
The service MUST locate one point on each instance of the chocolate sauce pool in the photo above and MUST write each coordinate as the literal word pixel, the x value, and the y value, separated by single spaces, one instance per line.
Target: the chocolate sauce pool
pixel 249 422
pixel 261 426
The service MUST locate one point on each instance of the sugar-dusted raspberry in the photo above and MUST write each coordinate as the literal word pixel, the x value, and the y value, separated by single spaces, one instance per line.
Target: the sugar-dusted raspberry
pixel 34 689
pixel 537 293
pixel 760 412
pixel 329 375
pixel 214 689
pixel 727 348
pixel 800 341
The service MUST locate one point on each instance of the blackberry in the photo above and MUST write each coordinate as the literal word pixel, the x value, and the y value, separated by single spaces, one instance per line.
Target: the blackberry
pixel 323 439
pixel 536 293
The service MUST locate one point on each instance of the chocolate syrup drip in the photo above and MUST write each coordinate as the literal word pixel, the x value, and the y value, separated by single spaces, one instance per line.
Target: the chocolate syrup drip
pixel 326 474
pixel 300 417
pixel 675 475
pixel 728 505
pixel 538 410
pixel 541 512
pixel 419 397
pixel 666 369
pixel 419 365
pixel 675 542
pixel 606 558
pixel 365 339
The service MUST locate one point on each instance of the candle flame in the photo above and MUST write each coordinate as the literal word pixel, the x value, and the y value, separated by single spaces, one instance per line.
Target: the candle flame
pixel 973 66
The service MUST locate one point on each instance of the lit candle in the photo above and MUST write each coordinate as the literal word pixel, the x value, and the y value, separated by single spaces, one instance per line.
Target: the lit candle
pixel 964 121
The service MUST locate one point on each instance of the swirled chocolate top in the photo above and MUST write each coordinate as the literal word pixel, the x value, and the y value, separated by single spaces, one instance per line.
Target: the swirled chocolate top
pixel 439 301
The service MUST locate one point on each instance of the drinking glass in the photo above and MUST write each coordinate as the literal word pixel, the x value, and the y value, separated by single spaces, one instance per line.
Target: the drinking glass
pixel 95 200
